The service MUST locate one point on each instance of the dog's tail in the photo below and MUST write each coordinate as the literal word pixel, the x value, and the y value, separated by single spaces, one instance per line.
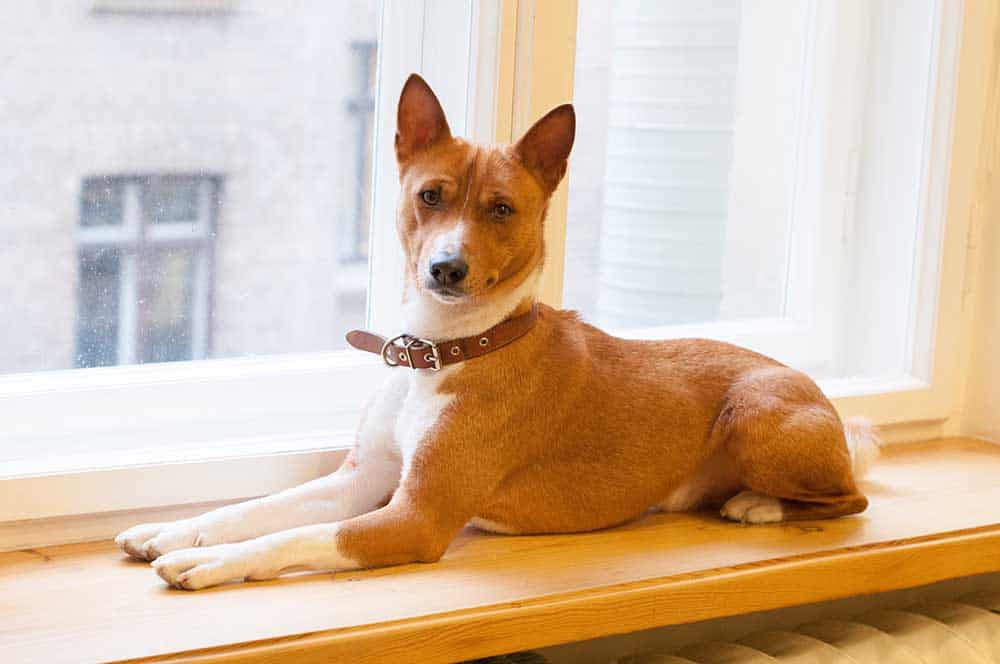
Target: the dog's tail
pixel 863 444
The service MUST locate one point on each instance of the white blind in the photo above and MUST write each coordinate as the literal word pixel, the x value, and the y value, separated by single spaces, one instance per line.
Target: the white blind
pixel 657 257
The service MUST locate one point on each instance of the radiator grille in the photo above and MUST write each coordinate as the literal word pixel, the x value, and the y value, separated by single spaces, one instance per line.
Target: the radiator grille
pixel 964 631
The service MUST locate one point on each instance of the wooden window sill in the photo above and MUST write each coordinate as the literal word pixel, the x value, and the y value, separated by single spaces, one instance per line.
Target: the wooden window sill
pixel 935 515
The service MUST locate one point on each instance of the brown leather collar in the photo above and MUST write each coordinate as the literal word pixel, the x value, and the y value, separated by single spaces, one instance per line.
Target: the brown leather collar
pixel 409 351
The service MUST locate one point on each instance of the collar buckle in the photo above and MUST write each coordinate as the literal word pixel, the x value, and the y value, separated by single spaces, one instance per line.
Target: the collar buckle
pixel 405 357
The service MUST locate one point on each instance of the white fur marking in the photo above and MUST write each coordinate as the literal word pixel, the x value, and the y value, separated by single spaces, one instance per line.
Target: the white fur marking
pixel 717 475
pixel 493 526
pixel 752 507
pixel 429 318
pixel 310 547
pixel 863 444
pixel 450 242
pixel 426 317
pixel 420 411
pixel 683 498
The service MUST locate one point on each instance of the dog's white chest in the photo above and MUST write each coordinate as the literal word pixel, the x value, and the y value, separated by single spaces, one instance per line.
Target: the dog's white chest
pixel 421 411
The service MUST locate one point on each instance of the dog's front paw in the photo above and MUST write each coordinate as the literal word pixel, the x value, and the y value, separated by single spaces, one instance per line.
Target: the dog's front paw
pixel 752 507
pixel 193 569
pixel 149 541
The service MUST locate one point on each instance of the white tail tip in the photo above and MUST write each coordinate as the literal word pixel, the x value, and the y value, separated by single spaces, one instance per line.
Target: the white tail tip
pixel 863 444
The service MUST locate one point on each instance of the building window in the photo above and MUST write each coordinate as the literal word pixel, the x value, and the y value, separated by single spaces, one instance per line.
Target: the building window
pixel 145 264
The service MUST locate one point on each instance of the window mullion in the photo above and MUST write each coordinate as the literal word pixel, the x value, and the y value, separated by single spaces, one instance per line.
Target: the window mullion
pixel 544 54
pixel 441 36
pixel 129 314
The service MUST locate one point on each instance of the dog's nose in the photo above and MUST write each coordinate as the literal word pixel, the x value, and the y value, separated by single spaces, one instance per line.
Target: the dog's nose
pixel 448 269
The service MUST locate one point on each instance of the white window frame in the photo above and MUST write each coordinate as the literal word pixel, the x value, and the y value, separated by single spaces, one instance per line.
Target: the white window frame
pixel 310 402
pixel 823 203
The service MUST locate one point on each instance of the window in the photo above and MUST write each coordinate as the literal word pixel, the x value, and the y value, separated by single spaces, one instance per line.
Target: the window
pixel 145 246
pixel 220 169
pixel 207 203
pixel 188 234
pixel 761 173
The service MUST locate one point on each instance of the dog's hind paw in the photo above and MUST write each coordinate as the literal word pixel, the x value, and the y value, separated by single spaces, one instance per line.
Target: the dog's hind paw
pixel 753 507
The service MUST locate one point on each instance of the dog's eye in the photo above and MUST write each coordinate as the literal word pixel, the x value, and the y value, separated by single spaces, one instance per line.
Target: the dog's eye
pixel 502 211
pixel 430 196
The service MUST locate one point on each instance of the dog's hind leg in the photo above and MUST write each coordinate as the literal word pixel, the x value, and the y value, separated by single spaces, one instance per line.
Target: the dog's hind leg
pixel 788 445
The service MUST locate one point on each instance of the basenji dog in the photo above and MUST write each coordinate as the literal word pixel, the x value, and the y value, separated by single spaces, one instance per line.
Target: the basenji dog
pixel 516 417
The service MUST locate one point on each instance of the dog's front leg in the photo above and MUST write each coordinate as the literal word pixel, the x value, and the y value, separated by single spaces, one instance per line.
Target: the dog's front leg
pixel 354 489
pixel 401 532
pixel 364 482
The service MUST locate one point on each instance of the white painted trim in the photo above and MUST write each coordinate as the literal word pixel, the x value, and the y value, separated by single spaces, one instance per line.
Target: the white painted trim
pixel 926 288
pixel 485 52
pixel 401 24
pixel 542 78
pixel 209 447
pixel 776 337
pixel 205 371
pixel 933 324
pixel 965 343
pixel 155 412
pixel 153 485
pixel 506 62
pixel 444 39
pixel 29 534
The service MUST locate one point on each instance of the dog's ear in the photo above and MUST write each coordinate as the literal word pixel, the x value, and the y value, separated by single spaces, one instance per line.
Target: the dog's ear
pixel 545 147
pixel 420 121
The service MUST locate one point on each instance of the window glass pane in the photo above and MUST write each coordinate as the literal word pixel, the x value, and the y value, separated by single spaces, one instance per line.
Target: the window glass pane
pixel 183 184
pixel 169 198
pixel 101 202
pixel 165 305
pixel 669 106
pixel 765 173
pixel 99 291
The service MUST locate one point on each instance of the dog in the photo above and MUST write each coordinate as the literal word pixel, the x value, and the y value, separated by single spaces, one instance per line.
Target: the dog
pixel 505 413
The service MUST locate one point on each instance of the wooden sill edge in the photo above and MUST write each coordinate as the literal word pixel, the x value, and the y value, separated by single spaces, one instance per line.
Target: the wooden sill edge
pixel 655 602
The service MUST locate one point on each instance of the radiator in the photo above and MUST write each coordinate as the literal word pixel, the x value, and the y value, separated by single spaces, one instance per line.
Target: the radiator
pixel 963 631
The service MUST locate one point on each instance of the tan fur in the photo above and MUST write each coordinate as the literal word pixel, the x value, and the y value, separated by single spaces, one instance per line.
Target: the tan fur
pixel 570 429
pixel 566 429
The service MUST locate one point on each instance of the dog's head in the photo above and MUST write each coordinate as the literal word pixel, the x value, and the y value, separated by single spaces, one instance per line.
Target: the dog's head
pixel 471 216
